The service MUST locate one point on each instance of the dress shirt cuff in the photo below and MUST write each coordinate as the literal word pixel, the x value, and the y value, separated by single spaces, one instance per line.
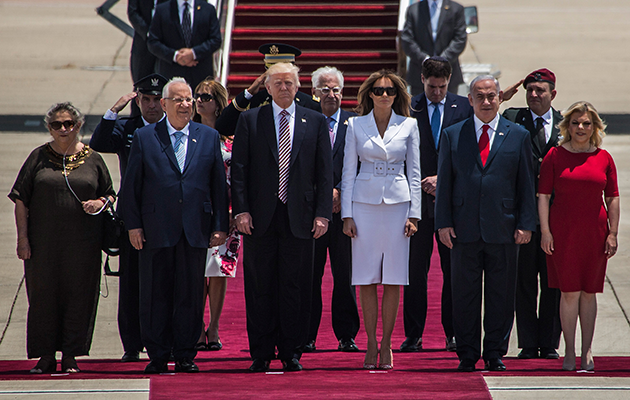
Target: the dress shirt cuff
pixel 175 56
pixel 110 115
pixel 248 95
pixel 194 54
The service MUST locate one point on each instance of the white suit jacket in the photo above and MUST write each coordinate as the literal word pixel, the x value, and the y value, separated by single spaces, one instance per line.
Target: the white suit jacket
pixel 373 184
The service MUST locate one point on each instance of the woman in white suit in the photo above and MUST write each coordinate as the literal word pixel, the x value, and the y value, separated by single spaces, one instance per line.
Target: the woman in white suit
pixel 380 205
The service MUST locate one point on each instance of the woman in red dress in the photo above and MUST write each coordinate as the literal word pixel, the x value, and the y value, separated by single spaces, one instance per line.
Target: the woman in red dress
pixel 579 228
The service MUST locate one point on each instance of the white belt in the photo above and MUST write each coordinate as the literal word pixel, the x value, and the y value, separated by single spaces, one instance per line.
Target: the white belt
pixel 382 168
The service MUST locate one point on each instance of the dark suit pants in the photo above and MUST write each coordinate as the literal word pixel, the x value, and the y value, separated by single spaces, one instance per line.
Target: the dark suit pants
pixel 493 267
pixel 542 328
pixel 129 298
pixel 277 273
pixel 142 60
pixel 415 294
pixel 171 291
pixel 345 315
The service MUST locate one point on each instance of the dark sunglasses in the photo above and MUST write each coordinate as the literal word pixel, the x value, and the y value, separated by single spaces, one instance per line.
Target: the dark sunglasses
pixel 378 91
pixel 56 125
pixel 204 97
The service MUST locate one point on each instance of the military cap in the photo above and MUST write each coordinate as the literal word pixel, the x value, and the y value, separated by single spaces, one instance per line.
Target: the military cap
pixel 540 75
pixel 278 52
pixel 151 84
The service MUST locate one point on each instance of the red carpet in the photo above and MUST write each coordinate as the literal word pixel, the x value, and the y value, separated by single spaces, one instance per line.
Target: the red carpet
pixel 327 373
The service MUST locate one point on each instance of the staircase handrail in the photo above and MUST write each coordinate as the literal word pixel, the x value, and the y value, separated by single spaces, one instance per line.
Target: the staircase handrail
pixel 222 56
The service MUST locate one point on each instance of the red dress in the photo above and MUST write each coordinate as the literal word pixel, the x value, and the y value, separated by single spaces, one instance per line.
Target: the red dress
pixel 578 219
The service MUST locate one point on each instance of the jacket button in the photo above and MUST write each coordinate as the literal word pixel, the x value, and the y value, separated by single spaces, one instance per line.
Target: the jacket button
pixel 181 201
pixel 540 160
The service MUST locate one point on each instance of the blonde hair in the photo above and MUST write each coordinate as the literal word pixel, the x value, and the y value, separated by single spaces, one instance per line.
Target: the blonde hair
pixel 582 107
pixel 283 68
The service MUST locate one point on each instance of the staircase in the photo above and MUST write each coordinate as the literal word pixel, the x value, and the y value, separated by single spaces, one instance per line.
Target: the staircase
pixel 357 37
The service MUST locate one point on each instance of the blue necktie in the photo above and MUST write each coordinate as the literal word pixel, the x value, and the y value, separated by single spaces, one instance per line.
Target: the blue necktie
pixel 179 150
pixel 434 19
pixel 435 124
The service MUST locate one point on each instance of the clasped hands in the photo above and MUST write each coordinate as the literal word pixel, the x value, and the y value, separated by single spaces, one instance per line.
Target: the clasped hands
pixel 186 58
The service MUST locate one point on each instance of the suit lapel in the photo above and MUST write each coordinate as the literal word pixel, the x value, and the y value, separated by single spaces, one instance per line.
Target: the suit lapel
pixel 340 137
pixel 175 19
pixel 427 18
pixel 193 137
pixel 446 7
pixel 163 137
pixel 499 136
pixel 267 125
pixel 299 130
pixel 369 128
pixel 393 127
pixel 556 117
pixel 198 19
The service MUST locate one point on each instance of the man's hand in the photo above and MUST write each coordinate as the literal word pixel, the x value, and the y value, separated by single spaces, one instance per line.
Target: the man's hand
pixel 244 223
pixel 429 184
pixel 445 236
pixel 217 238
pixel 136 237
pixel 512 90
pixel 349 227
pixel 522 237
pixel 186 58
pixel 336 200
pixel 122 102
pixel 258 84
pixel 320 226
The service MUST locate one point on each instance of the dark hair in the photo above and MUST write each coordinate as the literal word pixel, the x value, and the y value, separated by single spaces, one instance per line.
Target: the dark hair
pixel 433 67
pixel 219 93
pixel 401 102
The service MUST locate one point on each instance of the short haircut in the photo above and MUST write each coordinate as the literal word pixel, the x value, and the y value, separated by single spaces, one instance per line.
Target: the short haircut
pixel 582 107
pixel 283 68
pixel 319 73
pixel 402 101
pixel 436 68
pixel 219 93
pixel 77 116
pixel 485 78
pixel 167 87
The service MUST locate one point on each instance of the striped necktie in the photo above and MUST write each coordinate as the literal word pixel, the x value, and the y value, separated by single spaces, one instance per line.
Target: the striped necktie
pixel 331 132
pixel 179 149
pixel 284 156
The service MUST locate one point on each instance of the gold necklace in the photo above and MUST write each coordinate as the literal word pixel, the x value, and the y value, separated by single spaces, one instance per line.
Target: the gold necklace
pixel 71 161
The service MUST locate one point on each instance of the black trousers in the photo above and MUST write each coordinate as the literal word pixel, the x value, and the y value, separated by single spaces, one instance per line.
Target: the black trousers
pixel 415 294
pixel 537 318
pixel 345 315
pixel 142 61
pixel 171 291
pixel 494 266
pixel 129 297
pixel 277 273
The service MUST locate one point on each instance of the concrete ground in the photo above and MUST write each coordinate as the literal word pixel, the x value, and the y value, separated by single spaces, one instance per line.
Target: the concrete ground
pixel 57 50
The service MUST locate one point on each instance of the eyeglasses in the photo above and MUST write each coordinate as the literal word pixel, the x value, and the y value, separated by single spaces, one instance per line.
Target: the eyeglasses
pixel 326 90
pixel 378 91
pixel 180 100
pixel 204 97
pixel 56 125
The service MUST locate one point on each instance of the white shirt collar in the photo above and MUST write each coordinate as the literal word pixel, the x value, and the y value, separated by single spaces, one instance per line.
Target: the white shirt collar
pixel 172 130
pixel 492 124
pixel 429 102
pixel 277 109
pixel 546 116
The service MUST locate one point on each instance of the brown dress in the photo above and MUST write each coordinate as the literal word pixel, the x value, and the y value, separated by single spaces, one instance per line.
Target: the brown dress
pixel 63 273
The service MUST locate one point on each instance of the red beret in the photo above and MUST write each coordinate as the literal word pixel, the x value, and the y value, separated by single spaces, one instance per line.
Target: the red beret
pixel 540 75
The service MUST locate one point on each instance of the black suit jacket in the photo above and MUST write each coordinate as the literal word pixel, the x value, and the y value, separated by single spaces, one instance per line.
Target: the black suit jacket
pixel 339 145
pixel 255 170
pixel 115 136
pixel 457 108
pixel 166 37
pixel 450 42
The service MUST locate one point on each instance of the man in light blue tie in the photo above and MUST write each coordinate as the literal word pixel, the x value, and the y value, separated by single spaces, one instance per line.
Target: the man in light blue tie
pixel 174 203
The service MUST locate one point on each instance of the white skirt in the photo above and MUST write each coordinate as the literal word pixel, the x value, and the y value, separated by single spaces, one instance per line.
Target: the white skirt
pixel 380 251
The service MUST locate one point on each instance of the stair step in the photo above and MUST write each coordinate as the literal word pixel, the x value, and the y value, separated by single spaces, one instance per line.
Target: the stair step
pixel 318 2
pixel 320 9
pixel 313 19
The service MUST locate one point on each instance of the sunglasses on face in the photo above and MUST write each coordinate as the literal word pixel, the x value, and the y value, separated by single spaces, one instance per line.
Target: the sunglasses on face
pixel 56 125
pixel 378 91
pixel 326 90
pixel 204 97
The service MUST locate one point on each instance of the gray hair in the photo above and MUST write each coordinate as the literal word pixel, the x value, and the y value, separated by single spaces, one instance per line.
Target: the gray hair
pixel 77 116
pixel 177 79
pixel 283 68
pixel 326 71
pixel 484 78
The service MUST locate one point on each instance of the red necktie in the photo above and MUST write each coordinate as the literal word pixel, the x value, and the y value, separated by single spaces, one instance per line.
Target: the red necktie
pixel 484 145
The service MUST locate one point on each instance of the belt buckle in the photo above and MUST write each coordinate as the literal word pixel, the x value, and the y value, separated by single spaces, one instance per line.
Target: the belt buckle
pixel 380 168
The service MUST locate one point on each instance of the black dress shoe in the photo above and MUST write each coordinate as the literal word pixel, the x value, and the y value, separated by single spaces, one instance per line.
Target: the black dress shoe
pixel 186 365
pixel 451 345
pixel 549 353
pixel 259 365
pixel 291 365
pixel 309 347
pixel 156 367
pixel 411 344
pixel 528 353
pixel 131 356
pixel 347 345
pixel 466 365
pixel 495 364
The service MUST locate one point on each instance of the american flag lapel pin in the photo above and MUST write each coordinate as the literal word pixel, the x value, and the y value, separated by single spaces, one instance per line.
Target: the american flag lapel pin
pixel 345 122
pixel 500 133
pixel 453 105
pixel 304 120
pixel 195 140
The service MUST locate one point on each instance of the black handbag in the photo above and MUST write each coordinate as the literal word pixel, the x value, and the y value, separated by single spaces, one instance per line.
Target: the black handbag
pixel 113 228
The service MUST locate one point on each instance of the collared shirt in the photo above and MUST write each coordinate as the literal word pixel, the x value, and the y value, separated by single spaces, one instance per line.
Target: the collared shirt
pixel 171 134
pixel 493 128
pixel 110 115
pixel 191 11
pixel 335 125
pixel 436 17
pixel 547 122
pixel 431 109
pixel 276 120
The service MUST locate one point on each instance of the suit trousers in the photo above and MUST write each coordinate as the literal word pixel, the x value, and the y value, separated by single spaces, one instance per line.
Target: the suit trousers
pixel 493 267
pixel 345 315
pixel 540 328
pixel 278 274
pixel 129 298
pixel 142 61
pixel 171 292
pixel 415 295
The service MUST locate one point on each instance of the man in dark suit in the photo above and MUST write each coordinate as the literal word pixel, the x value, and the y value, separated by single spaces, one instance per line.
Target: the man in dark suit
pixel 537 322
pixel 140 13
pixel 174 202
pixel 114 135
pixel 485 208
pixel 256 95
pixel 434 28
pixel 184 35
pixel 328 87
pixel 281 196
pixel 435 109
